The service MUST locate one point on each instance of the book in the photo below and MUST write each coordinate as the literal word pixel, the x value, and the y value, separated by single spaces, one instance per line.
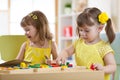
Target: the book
pixel 12 63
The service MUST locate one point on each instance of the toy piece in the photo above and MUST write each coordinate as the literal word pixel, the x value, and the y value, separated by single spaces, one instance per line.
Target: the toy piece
pixel 34 65
pixel 55 65
pixel 63 67
pixel 44 66
pixel 68 64
pixel 92 67
pixel 23 65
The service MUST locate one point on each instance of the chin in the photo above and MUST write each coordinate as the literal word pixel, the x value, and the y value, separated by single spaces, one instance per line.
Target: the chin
pixel 30 39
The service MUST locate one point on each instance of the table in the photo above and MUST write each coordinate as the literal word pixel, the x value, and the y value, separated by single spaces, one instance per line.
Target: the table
pixel 76 73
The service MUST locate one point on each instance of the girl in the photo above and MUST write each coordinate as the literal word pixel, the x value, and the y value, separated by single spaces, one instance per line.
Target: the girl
pixel 89 49
pixel 39 46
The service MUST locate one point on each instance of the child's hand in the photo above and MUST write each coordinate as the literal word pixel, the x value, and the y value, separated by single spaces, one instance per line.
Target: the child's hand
pixel 48 61
pixel 61 59
pixel 98 66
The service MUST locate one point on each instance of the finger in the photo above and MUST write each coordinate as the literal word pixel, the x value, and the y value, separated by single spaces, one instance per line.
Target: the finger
pixel 63 61
pixel 58 60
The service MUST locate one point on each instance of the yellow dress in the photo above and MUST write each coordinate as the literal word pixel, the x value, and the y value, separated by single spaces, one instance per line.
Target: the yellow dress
pixel 37 55
pixel 85 54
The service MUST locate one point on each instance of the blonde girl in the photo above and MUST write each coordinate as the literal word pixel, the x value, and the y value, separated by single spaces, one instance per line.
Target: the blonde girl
pixel 39 47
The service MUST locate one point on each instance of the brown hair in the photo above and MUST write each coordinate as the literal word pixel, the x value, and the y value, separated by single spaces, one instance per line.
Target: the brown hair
pixel 40 22
pixel 89 17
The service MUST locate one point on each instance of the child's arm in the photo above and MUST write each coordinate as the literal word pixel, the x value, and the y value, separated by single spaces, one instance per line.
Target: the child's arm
pixel 54 50
pixel 65 54
pixel 54 53
pixel 110 64
pixel 20 55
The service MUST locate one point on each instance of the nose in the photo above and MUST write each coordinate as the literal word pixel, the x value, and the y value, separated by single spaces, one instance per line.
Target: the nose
pixel 27 32
pixel 82 33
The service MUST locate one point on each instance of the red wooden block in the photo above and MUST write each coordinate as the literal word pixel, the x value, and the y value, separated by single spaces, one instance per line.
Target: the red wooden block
pixel 92 67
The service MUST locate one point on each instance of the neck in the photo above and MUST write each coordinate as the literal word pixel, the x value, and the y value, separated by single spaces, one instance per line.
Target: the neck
pixel 93 41
pixel 39 43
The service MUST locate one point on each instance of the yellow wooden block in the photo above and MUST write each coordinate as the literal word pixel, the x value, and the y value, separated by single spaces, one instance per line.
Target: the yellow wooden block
pixel 23 65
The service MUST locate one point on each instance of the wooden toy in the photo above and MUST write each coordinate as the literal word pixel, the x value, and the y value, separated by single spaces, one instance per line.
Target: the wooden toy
pixel 92 67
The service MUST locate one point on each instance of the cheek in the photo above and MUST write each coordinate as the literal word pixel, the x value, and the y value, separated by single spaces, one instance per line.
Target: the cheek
pixel 91 34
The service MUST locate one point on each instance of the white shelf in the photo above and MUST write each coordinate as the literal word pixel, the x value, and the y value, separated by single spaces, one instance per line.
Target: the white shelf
pixel 66 38
pixel 66 20
pixel 66 15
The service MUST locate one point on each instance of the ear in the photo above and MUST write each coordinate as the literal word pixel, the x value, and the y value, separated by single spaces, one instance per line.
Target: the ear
pixel 100 28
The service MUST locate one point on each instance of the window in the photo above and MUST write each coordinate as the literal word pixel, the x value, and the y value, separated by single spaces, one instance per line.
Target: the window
pixel 3 4
pixel 20 8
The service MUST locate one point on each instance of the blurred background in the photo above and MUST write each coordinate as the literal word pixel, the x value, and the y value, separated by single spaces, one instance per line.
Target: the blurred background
pixel 60 13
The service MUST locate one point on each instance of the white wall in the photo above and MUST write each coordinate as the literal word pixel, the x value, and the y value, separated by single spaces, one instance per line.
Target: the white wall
pixel 118 14
pixel 111 7
pixel 4 23
pixel 103 5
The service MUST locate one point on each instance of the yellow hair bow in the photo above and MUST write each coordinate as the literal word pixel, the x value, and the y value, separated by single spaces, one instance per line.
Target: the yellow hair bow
pixel 33 16
pixel 103 18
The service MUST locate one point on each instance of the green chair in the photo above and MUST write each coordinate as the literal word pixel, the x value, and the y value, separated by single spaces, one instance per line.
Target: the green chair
pixel 10 46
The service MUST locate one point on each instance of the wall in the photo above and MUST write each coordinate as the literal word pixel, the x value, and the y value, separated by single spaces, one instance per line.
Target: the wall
pixel 103 5
pixel 3 23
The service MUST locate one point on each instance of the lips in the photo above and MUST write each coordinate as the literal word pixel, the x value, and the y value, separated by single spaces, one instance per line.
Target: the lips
pixel 29 36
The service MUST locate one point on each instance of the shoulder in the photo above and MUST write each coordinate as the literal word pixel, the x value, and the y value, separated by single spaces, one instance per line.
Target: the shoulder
pixel 53 43
pixel 77 41
pixel 105 48
pixel 24 44
pixel 104 44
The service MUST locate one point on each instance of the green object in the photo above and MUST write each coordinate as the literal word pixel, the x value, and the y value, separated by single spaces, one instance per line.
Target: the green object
pixel 67 63
pixel 10 46
pixel 36 65
pixel 68 5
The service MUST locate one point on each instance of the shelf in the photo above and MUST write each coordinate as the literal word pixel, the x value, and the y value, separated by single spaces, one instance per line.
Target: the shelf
pixel 66 21
pixel 66 15
pixel 66 38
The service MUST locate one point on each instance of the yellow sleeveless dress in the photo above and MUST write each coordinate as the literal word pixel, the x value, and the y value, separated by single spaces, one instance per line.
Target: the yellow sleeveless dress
pixel 37 55
pixel 85 54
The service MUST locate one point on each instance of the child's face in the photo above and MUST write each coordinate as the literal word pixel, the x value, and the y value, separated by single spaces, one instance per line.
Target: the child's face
pixel 30 32
pixel 89 33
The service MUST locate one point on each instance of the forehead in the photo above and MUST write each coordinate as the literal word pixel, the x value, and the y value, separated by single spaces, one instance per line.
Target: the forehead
pixel 28 27
pixel 87 27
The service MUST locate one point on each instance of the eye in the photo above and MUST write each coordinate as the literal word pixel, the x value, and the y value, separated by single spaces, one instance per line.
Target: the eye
pixel 80 30
pixel 26 30
pixel 87 30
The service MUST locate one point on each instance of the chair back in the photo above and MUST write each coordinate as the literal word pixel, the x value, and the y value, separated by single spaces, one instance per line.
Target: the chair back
pixel 10 46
